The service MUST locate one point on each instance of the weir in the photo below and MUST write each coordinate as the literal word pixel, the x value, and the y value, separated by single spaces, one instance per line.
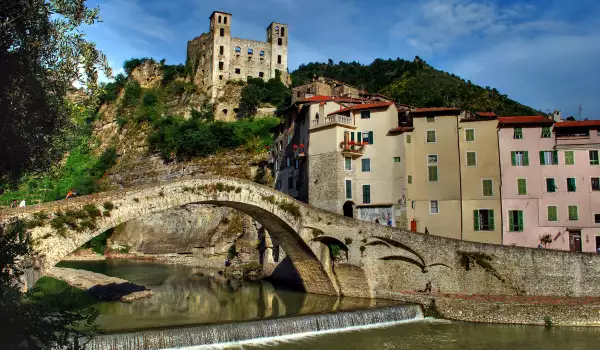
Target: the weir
pixel 244 331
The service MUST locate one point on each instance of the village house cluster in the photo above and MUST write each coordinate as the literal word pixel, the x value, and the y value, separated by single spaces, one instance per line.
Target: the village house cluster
pixel 522 180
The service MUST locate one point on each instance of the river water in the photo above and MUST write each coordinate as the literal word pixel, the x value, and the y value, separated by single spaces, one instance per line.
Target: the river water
pixel 194 306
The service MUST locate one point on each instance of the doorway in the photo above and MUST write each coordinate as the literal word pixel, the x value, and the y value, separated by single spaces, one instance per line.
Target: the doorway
pixel 598 244
pixel 349 209
pixel 575 241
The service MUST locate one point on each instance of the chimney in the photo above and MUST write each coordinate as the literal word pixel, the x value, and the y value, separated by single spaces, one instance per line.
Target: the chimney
pixel 557 116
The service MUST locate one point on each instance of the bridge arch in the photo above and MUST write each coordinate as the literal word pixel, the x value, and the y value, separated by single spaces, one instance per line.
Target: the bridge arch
pixel 278 213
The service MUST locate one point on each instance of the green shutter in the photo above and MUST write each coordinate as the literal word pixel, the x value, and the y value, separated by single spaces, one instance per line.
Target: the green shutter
pixel 520 214
pixel 408 138
pixel 511 222
pixel 513 158
pixel 542 158
pixel 352 136
pixel 525 158
pixel 554 157
pixel 522 186
pixel 491 218
pixel 370 137
pixel 359 137
pixel 476 220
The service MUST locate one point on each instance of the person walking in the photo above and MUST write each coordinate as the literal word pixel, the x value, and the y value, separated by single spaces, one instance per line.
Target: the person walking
pixel 22 204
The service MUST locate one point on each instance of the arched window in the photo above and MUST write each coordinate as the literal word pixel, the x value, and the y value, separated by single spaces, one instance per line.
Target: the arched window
pixel 238 49
pixel 282 31
pixel 250 52
pixel 219 19
pixel 262 54
pixel 225 20
pixel 277 29
pixel 279 41
pixel 222 31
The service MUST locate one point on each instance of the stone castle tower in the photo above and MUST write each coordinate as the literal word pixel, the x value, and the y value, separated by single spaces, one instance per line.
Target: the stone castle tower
pixel 214 58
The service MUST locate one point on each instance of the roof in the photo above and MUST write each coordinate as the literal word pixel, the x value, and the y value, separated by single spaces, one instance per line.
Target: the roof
pixel 524 120
pixel 435 110
pixel 321 98
pixel 221 12
pixel 486 114
pixel 363 106
pixel 400 129
pixel 578 124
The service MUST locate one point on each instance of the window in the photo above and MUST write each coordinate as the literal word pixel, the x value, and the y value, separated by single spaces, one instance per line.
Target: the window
pixel 262 53
pixel 238 49
pixel 366 137
pixel 548 157
pixel 237 71
pixel 408 138
pixel 483 220
pixel 348 189
pixel 250 52
pixel 551 185
pixel 522 186
pixel 471 158
pixel 431 136
pixel 569 158
pixel 277 29
pixel 546 132
pixel 573 214
pixel 347 163
pixel 365 114
pixel 366 194
pixel 279 59
pixel 432 159
pixel 219 19
pixel 288 162
pixel 224 111
pixel 469 135
pixel 571 185
pixel 515 220
pixel 552 213
pixel 518 133
pixel 222 32
pixel 431 119
pixel 597 218
pixel 290 183
pixel 279 41
pixel 296 164
pixel 221 50
pixel 410 179
pixel 221 65
pixel 595 183
pixel 366 165
pixel 519 158
pixel 432 169
pixel 220 77
pixel 225 19
pixel 594 158
pixel 433 207
pixel 488 187
pixel 397 159
pixel 282 31
pixel 261 75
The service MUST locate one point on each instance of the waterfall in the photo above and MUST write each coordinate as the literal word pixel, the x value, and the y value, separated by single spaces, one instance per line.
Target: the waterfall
pixel 242 331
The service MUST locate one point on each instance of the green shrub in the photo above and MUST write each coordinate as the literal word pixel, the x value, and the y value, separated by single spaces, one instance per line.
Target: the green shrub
pixel 92 211
pixel 108 206
pixel 133 91
pixel 121 122
pixel 231 252
pixel 131 64
pixel 150 98
pixel 347 240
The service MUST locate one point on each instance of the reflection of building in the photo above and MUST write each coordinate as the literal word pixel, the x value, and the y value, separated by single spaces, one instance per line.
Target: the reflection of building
pixel 550 182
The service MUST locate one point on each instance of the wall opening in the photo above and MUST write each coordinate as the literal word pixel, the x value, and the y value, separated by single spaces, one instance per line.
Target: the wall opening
pixel 219 19
pixel 282 31
pixel 225 20
pixel 261 75
pixel 348 209
pixel 250 52
pixel 279 41
pixel 225 111
pixel 262 53
pixel 279 59
pixel 222 32
pixel 221 64
pixel 221 50
pixel 238 49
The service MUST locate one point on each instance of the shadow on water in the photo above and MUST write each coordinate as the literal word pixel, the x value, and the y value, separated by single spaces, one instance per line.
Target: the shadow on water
pixel 187 296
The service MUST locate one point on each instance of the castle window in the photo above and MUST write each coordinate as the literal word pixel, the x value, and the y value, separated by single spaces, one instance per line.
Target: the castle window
pixel 262 53
pixel 282 31
pixel 225 111
pixel 250 52
pixel 277 29
pixel 237 71
pixel 261 74
pixel 225 19
pixel 221 64
pixel 220 77
pixel 221 50
pixel 279 59
pixel 238 49
pixel 219 19
pixel 222 32
pixel 279 41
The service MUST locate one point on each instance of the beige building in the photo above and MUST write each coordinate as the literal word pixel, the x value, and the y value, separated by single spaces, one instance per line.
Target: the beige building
pixel 214 58
pixel 322 86
pixel 453 176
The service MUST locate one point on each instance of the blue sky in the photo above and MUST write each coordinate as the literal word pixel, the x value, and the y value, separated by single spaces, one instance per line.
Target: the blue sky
pixel 543 53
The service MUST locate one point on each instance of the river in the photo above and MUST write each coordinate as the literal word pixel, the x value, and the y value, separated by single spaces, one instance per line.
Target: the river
pixel 194 306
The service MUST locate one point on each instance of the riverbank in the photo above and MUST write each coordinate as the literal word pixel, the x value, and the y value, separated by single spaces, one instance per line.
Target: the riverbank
pixel 501 309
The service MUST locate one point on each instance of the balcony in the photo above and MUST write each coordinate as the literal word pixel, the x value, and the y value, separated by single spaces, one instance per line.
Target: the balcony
pixel 352 149
pixel 332 120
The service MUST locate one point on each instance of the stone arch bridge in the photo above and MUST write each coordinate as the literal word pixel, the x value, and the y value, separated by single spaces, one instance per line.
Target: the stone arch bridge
pixel 378 259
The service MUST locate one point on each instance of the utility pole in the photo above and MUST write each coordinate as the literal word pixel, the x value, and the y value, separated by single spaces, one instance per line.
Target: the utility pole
pixel 580 111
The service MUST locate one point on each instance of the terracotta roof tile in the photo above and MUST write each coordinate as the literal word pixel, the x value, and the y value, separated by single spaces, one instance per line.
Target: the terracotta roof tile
pixel 435 110
pixel 577 123
pixel 320 98
pixel 525 120
pixel 486 114
pixel 363 106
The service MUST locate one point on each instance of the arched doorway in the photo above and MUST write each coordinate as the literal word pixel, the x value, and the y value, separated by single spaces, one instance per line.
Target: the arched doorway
pixel 349 209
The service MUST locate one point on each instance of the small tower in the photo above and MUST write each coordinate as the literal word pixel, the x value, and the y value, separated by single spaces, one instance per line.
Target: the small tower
pixel 220 31
pixel 277 36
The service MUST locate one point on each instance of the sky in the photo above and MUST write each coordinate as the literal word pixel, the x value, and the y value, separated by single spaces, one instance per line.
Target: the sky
pixel 542 53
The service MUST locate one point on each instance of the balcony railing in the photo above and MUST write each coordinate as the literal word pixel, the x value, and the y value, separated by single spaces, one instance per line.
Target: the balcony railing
pixel 352 149
pixel 332 119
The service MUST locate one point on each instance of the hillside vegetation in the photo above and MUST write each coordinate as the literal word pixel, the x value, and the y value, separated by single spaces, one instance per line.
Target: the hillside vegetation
pixel 414 83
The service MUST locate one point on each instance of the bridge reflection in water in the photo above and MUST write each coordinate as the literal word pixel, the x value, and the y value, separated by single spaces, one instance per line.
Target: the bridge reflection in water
pixel 186 296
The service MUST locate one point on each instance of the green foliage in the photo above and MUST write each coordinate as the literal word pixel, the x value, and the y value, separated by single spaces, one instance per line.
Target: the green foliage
pixel 232 252
pixel 415 83
pixel 257 92
pixel 133 92
pixel 150 98
pixel 548 321
pixel 108 206
pixel 347 241
pixel 291 208
pixel 171 72
pixel 362 249
pixel 131 64
pixel 110 91
pixel 98 243
pixel 334 250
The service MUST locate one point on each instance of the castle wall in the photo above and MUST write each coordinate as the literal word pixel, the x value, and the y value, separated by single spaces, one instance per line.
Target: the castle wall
pixel 250 65
pixel 199 61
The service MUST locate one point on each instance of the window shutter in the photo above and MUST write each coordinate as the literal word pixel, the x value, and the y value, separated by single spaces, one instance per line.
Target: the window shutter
pixel 525 158
pixel 511 221
pixel 359 137
pixel 370 137
pixel 554 157
pixel 352 136
pixel 520 214
pixel 513 158
pixel 476 220
pixel 491 219
pixel 542 158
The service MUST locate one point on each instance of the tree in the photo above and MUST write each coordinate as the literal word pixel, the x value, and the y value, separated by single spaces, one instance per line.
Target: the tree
pixel 34 320
pixel 42 53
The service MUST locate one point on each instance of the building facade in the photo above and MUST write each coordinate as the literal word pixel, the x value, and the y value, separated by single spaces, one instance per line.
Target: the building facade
pixel 215 58
pixel 322 86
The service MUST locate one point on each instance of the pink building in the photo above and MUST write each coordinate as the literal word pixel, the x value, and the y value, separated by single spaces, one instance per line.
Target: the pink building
pixel 550 189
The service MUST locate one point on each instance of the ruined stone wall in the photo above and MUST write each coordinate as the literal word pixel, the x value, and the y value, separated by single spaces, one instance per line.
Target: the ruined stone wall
pixel 326 187
pixel 250 64
pixel 199 61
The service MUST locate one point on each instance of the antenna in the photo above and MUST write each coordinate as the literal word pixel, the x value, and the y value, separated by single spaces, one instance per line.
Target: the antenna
pixel 580 111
